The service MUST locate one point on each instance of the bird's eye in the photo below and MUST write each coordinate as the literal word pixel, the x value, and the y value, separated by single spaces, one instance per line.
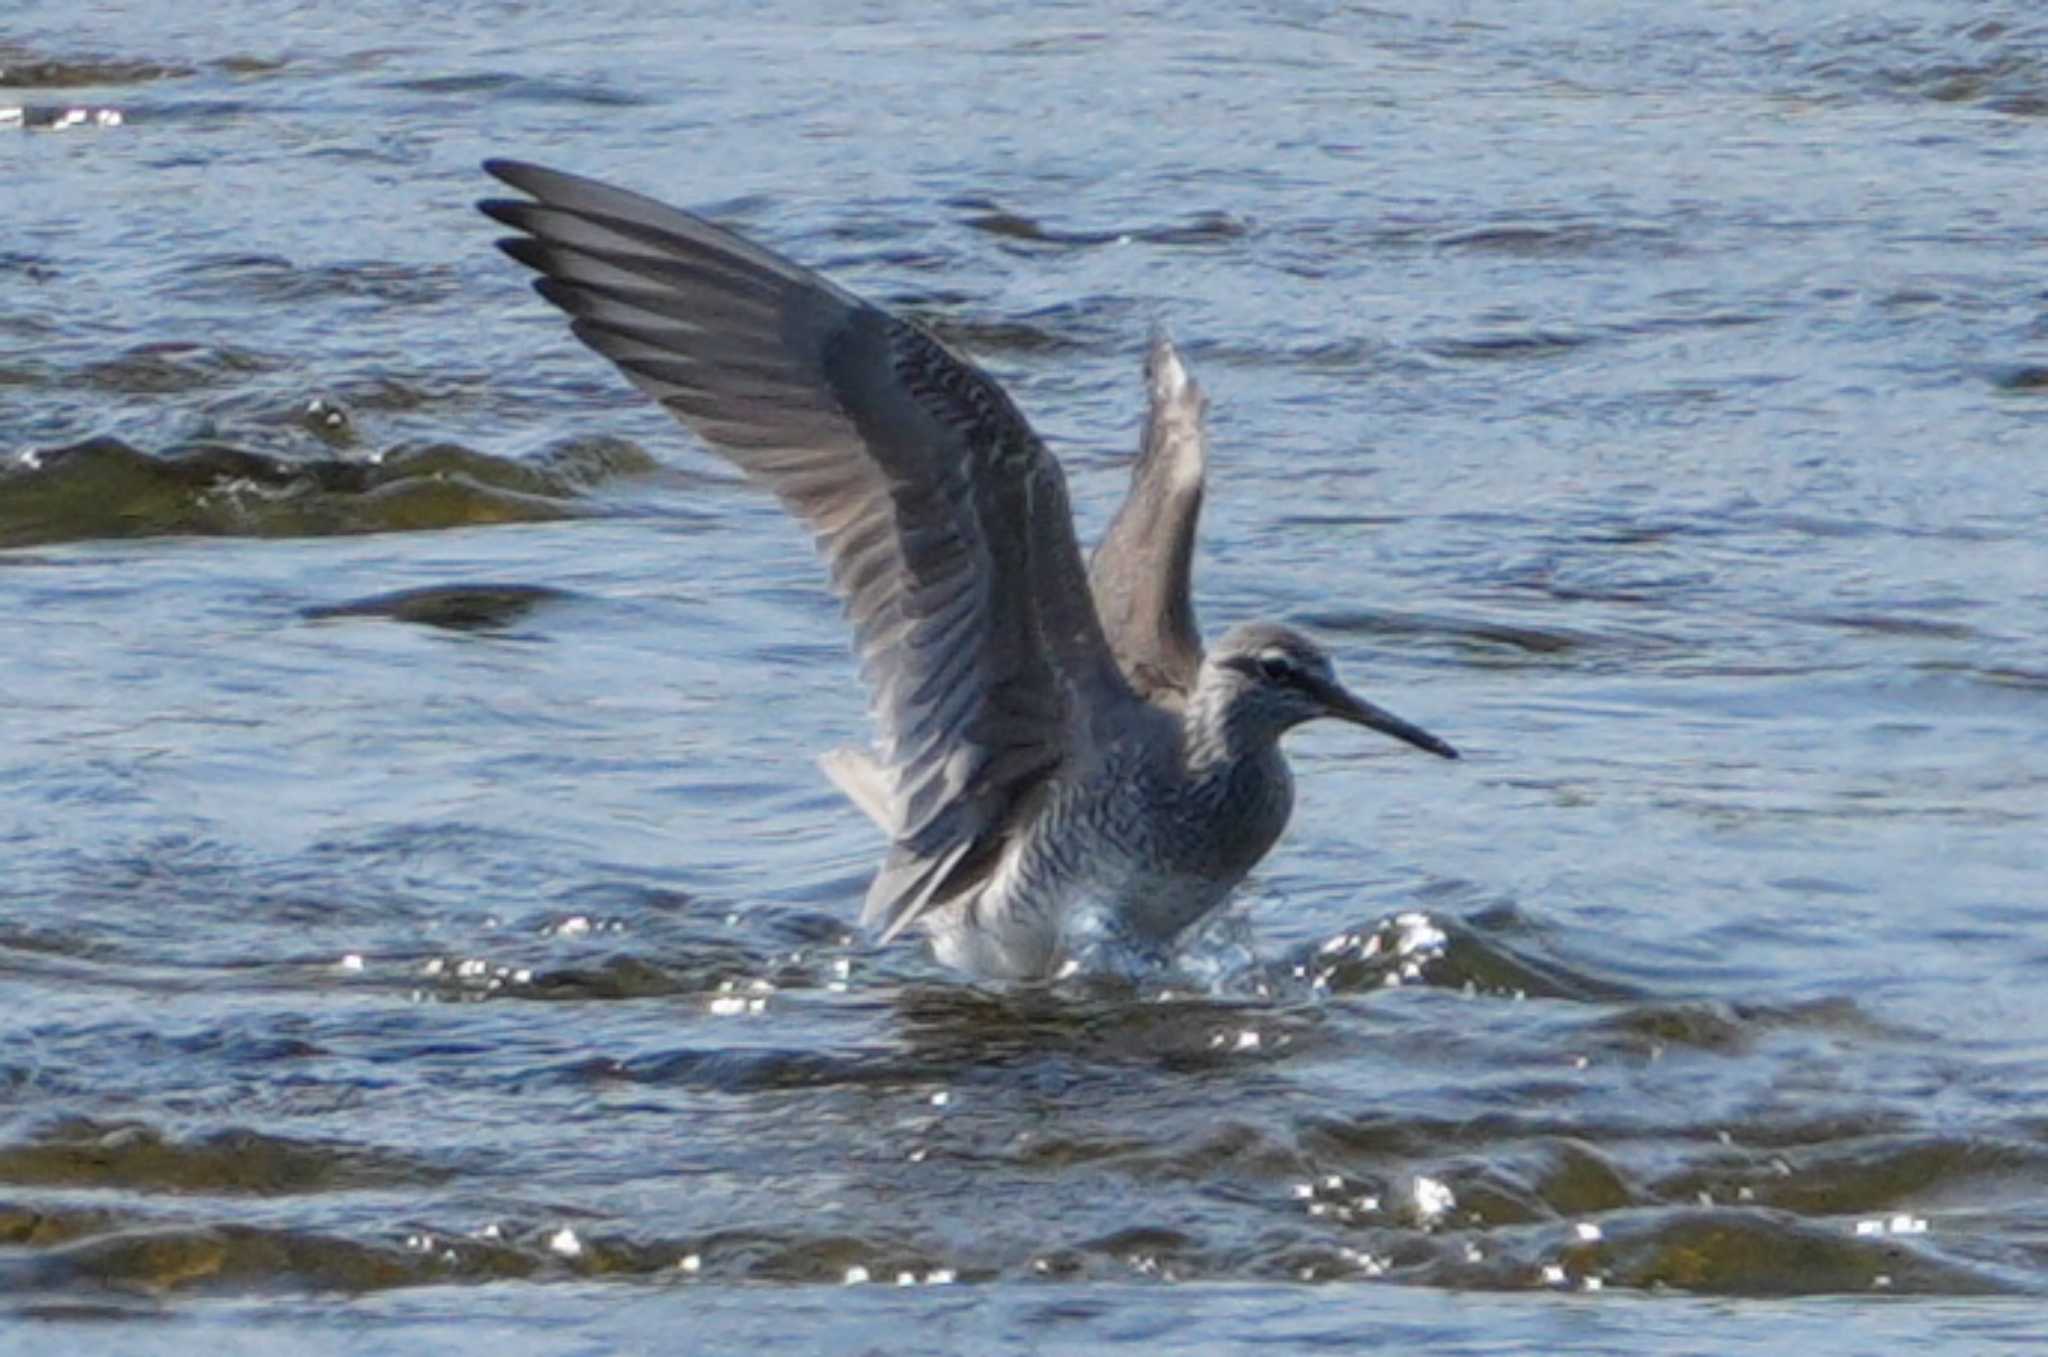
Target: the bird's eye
pixel 1276 668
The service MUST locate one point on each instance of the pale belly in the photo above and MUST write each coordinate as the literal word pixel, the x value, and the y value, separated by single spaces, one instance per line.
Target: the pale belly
pixel 1121 919
pixel 1116 878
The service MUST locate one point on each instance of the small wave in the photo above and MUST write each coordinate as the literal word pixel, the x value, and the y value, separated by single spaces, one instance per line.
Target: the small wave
pixel 523 88
pixel 1565 238
pixel 1202 228
pixel 231 1161
pixel 1508 345
pixel 1491 953
pixel 58 117
pixel 21 68
pixel 105 488
pixel 267 279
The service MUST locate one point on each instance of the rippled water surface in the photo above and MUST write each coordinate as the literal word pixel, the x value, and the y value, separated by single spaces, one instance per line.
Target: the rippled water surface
pixel 421 920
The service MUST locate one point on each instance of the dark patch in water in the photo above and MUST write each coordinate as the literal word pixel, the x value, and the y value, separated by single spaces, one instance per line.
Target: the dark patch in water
pixel 455 607
pixel 36 268
pixel 2026 378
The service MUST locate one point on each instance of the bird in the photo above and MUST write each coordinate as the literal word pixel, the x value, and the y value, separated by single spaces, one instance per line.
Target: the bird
pixel 1067 777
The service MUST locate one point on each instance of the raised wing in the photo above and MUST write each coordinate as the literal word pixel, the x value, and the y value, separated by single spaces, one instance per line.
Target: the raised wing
pixel 1142 572
pixel 941 515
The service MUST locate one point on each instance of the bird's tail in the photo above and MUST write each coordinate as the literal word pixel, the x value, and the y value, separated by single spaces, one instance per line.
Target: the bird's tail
pixel 865 783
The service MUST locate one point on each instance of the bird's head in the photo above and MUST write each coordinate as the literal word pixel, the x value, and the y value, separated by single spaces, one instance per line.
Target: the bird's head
pixel 1269 679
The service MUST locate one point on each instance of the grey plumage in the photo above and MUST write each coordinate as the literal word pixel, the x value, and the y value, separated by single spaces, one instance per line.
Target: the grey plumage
pixel 1057 762
pixel 1142 574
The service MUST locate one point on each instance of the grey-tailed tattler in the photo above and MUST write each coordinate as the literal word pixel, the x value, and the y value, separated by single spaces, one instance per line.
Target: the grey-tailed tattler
pixel 1062 769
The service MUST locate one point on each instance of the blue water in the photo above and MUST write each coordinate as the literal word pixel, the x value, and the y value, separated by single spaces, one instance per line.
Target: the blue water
pixel 1650 402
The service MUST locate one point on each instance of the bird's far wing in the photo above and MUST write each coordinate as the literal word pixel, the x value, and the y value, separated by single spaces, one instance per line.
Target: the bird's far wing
pixel 942 517
pixel 1142 572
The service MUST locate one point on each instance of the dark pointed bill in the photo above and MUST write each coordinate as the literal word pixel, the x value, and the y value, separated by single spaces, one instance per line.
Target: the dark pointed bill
pixel 1348 706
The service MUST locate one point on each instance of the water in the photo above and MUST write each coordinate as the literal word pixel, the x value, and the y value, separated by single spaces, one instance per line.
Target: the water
pixel 420 916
